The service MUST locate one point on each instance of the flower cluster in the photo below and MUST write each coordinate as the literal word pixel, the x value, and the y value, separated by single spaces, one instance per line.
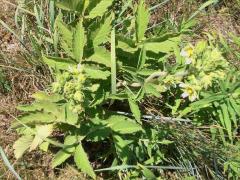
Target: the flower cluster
pixel 71 84
pixel 205 64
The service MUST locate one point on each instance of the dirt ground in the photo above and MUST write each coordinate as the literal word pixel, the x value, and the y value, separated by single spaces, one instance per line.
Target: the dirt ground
pixel 22 84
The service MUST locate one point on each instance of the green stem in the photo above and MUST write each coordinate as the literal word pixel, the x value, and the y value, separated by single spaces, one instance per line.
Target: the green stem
pixel 113 62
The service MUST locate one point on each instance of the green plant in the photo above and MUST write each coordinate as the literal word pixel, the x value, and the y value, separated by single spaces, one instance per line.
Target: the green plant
pixel 4 84
pixel 102 78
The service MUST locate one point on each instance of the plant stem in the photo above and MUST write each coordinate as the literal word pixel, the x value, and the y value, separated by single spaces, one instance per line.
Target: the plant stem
pixel 113 63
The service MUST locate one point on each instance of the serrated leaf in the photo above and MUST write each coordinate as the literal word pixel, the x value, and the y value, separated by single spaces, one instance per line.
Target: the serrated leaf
pixel 34 119
pixel 40 96
pixel 43 96
pixel 59 63
pixel 49 107
pixel 29 108
pixel 64 36
pixel 82 162
pixel 99 97
pixel 126 44
pixel 66 152
pixel 102 34
pixel 162 46
pixel 122 148
pixel 79 41
pixel 142 20
pixel 97 74
pixel 99 131
pixel 44 146
pixel 71 118
pixel 123 125
pixel 101 56
pixel 135 109
pixel 63 30
pixel 100 9
pixel 71 5
pixel 21 145
pixel 42 132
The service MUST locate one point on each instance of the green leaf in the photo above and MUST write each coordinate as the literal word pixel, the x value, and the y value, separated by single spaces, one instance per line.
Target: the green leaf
pixel 126 44
pixel 43 96
pixel 71 118
pixel 119 96
pixel 29 108
pixel 59 63
pixel 151 89
pixel 206 101
pixel 203 6
pixel 40 96
pixel 232 113
pixel 123 125
pixel 21 145
pixel 99 97
pixel 147 173
pixel 100 9
pixel 142 20
pixel 44 146
pixel 63 30
pixel 66 152
pixel 135 110
pixel 142 58
pixel 97 74
pixel 71 5
pixel 82 162
pixel 235 106
pixel 79 41
pixel 227 121
pixel 42 132
pixel 52 108
pixel 101 56
pixel 102 34
pixel 100 133
pixel 162 46
pixel 165 142
pixel 122 148
pixel 34 119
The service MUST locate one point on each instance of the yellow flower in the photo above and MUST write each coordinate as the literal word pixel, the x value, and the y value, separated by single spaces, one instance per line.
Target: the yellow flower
pixel 187 53
pixel 78 96
pixel 207 81
pixel 188 91
pixel 81 78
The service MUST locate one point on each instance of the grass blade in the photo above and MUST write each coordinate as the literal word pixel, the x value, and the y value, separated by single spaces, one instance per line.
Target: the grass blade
pixel 206 4
pixel 7 163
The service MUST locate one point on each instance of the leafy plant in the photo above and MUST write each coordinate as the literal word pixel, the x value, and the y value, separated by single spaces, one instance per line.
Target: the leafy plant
pixel 106 70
